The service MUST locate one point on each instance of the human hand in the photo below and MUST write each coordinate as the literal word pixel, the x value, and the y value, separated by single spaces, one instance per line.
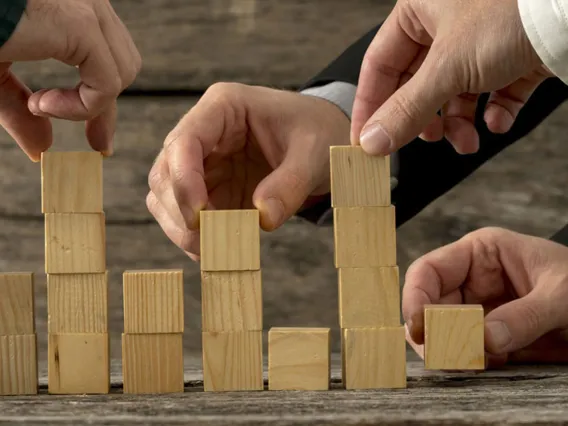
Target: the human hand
pixel 244 147
pixel 439 55
pixel 521 281
pixel 82 33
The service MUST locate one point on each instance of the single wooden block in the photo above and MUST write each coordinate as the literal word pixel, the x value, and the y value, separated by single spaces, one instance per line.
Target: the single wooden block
pixel 72 182
pixel 78 363
pixel 75 243
pixel 369 297
pixel 230 240
pixel 375 358
pixel 231 301
pixel 77 303
pixel 232 361
pixel 454 337
pixel 359 179
pixel 153 301
pixel 18 365
pixel 298 358
pixel 152 363
pixel 17 303
pixel 364 237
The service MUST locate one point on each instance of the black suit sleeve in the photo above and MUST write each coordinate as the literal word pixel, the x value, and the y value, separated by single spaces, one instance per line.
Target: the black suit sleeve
pixel 11 12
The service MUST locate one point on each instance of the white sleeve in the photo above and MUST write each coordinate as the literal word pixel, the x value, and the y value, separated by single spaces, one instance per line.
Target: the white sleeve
pixel 546 25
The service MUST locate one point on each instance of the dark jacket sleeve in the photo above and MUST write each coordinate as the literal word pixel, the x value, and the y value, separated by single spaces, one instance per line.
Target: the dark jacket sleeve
pixel 11 12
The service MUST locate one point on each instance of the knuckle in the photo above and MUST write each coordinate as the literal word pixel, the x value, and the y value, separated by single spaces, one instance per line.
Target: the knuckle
pixel 151 203
pixel 533 316
pixel 223 92
pixel 156 179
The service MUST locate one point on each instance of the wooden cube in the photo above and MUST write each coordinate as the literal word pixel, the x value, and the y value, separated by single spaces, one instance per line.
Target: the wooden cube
pixel 454 337
pixel 17 303
pixel 153 301
pixel 375 358
pixel 232 361
pixel 77 303
pixel 75 243
pixel 231 301
pixel 298 358
pixel 359 179
pixel 153 363
pixel 365 237
pixel 369 297
pixel 18 365
pixel 72 182
pixel 230 240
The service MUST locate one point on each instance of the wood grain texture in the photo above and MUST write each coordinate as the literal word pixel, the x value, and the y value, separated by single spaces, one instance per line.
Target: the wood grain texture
pixel 454 337
pixel 17 307
pixel 75 243
pixel 152 363
pixel 231 301
pixel 18 365
pixel 77 303
pixel 230 240
pixel 232 361
pixel 153 301
pixel 359 179
pixel 298 358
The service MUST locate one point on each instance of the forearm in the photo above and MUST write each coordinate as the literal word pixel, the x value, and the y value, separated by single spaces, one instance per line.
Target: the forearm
pixel 11 12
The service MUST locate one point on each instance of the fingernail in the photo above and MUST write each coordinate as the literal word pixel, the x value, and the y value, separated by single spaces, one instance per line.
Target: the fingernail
pixel 107 152
pixel 499 334
pixel 274 208
pixel 375 141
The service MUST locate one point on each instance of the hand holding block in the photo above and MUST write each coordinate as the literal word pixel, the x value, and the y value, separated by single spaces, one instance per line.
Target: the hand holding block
pixel 17 304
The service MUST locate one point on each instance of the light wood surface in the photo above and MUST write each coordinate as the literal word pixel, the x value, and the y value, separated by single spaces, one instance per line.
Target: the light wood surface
pixel 18 365
pixel 17 303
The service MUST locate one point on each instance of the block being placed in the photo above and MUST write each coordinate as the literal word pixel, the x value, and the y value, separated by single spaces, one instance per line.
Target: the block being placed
pixel 298 358
pixel 454 337
pixel 18 365
pixel 17 303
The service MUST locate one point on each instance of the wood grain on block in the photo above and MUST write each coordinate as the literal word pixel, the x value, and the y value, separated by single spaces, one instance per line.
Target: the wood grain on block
pixel 369 297
pixel 454 337
pixel 230 240
pixel 72 182
pixel 359 179
pixel 78 363
pixel 77 303
pixel 375 358
pixel 152 363
pixel 75 243
pixel 364 236
pixel 153 301
pixel 18 365
pixel 298 358
pixel 231 300
pixel 232 361
pixel 17 314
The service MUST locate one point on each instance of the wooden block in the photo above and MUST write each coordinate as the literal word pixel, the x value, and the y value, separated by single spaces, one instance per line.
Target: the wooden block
pixel 75 243
pixel 454 337
pixel 369 297
pixel 18 365
pixel 72 182
pixel 77 303
pixel 359 179
pixel 231 301
pixel 230 240
pixel 232 361
pixel 17 303
pixel 365 237
pixel 298 358
pixel 78 363
pixel 153 301
pixel 375 358
pixel 152 363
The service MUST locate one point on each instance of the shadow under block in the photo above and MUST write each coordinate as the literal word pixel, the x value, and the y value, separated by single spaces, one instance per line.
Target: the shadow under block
pixel 359 179
pixel 152 363
pixel 17 303
pixel 72 182
pixel 75 243
pixel 230 240
pixel 231 301
pixel 77 303
pixel 232 361
pixel 369 297
pixel 375 358
pixel 364 237
pixel 454 337
pixel 153 301
pixel 18 365
pixel 299 358
pixel 78 363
